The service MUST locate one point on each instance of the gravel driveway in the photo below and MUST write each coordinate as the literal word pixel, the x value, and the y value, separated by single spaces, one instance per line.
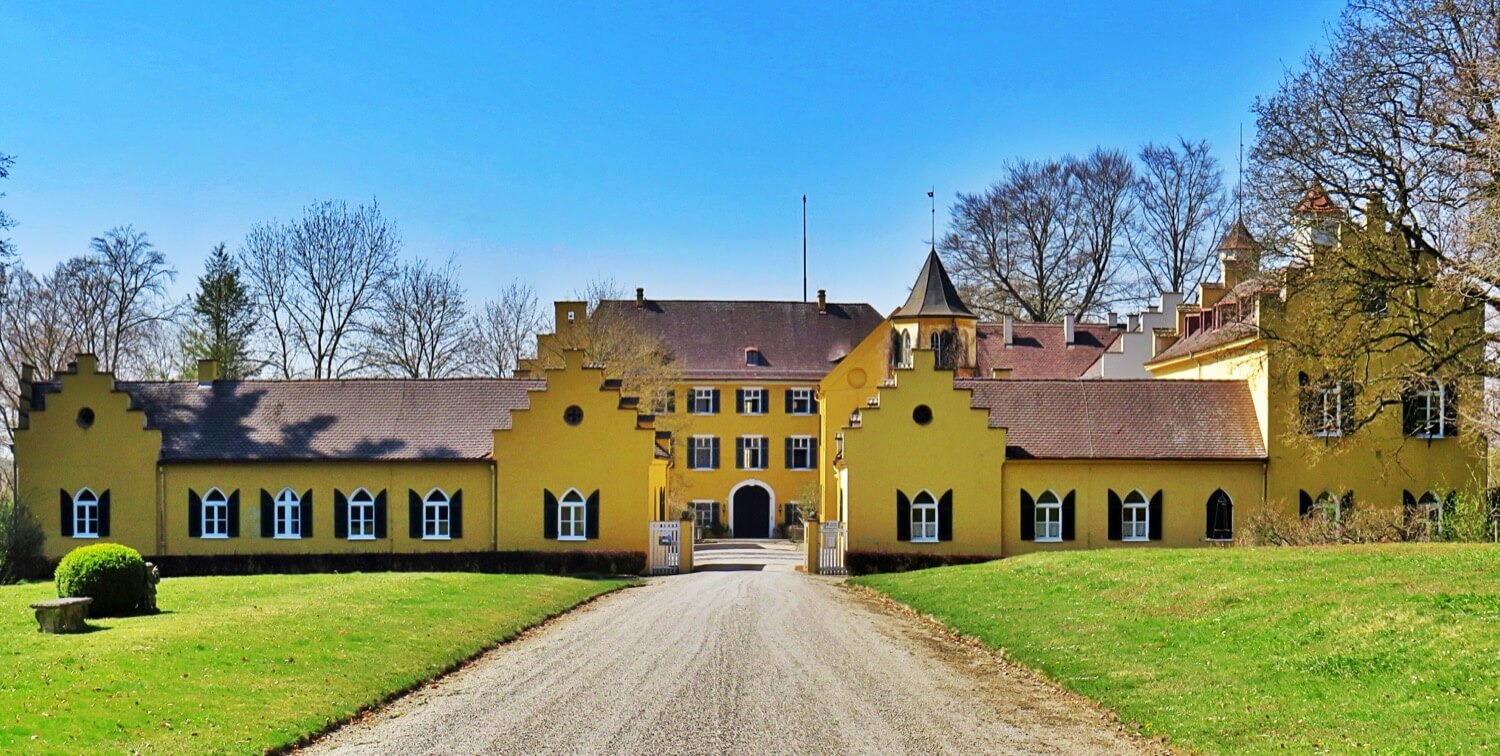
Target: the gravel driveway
pixel 766 661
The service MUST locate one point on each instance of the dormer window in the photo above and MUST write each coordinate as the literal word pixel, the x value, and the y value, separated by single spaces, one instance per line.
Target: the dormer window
pixel 753 358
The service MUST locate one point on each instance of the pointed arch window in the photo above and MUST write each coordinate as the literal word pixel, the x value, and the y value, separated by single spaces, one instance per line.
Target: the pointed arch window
pixel 86 514
pixel 924 518
pixel 1327 506
pixel 1048 517
pixel 437 521
pixel 1135 517
pixel 288 514
pixel 215 514
pixel 572 517
pixel 1430 508
pixel 944 343
pixel 361 516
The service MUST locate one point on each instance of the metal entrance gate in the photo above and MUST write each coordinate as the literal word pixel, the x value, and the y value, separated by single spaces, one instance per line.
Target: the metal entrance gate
pixel 665 548
pixel 831 551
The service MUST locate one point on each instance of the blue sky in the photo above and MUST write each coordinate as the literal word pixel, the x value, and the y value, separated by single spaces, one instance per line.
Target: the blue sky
pixel 665 146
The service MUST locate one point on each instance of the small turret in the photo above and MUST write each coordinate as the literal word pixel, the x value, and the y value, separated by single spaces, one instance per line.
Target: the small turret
pixel 1239 255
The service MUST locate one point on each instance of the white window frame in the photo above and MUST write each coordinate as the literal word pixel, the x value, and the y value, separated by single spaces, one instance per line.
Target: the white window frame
pixel 1135 517
pixel 924 518
pixel 761 400
pixel 1048 517
pixel 1329 502
pixel 803 445
pixel 753 357
pixel 572 516
pixel 361 507
pixel 703 445
pixel 437 516
pixel 1433 400
pixel 287 515
pixel 86 512
pixel 214 511
pixel 703 513
pixel 908 359
pixel 706 394
pixel 803 398
pixel 1332 411
pixel 762 446
pixel 1430 507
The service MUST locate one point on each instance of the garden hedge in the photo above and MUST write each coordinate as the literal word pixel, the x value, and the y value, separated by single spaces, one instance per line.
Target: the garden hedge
pixel 114 576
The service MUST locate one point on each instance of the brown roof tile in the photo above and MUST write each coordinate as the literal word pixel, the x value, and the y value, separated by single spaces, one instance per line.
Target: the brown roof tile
pixel 1128 419
pixel 708 338
pixel 368 419
pixel 1038 350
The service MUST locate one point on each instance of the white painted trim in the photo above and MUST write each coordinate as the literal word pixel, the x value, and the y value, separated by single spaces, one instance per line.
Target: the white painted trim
pixel 581 502
pixel 811 457
pixel 765 402
pixel 1145 505
pixel 1036 506
pixel 812 396
pixel 911 521
pixel 771 527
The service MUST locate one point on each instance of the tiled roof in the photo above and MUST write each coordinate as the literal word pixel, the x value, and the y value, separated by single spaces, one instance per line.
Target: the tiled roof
pixel 934 294
pixel 1237 239
pixel 708 338
pixel 1230 332
pixel 1130 419
pixel 1317 201
pixel 1038 349
pixel 367 419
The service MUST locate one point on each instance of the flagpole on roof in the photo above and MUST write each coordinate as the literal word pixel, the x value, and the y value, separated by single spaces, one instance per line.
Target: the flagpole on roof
pixel 804 247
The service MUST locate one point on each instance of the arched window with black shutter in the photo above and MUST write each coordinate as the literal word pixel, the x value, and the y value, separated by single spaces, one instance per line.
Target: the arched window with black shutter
pixel 1218 519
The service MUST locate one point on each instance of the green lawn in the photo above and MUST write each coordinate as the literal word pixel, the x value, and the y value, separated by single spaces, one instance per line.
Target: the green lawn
pixel 243 664
pixel 1395 648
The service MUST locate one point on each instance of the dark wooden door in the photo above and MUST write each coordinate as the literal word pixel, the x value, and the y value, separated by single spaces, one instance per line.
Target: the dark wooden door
pixel 752 513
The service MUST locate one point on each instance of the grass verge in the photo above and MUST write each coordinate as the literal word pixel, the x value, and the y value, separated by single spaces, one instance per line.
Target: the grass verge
pixel 1393 647
pixel 246 664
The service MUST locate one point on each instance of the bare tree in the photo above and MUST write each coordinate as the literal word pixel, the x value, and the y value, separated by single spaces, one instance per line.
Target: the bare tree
pixel 422 329
pixel 1392 123
pixel 1181 212
pixel 505 331
pixel 134 276
pixel 316 280
pixel 1041 242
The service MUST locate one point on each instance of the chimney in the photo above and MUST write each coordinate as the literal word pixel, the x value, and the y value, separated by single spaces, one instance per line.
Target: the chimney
pixel 640 297
pixel 208 372
pixel 1010 330
pixel 822 301
pixel 1134 320
pixel 1112 319
pixel 1070 329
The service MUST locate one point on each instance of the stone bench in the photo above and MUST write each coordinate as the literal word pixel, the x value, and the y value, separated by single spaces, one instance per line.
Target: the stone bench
pixel 63 615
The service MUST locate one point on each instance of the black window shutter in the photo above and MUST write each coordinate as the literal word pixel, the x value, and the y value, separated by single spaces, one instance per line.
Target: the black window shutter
pixel 1028 517
pixel 380 515
pixel 714 521
pixel 104 514
pixel 903 517
pixel 1450 409
pixel 195 514
pixel 692 404
pixel 234 514
pixel 549 515
pixel 1347 390
pixel 813 401
pixel 340 514
pixel 1209 515
pixel 1116 515
pixel 456 515
pixel 789 394
pixel 692 448
pixel 305 509
pixel 591 517
pixel 1304 504
pixel 713 445
pixel 812 453
pixel 1412 414
pixel 1154 515
pixel 413 514
pixel 1067 517
pixel 1347 504
pixel 1310 408
pixel 267 515
pixel 65 513
pixel 739 401
pixel 945 516
pixel 715 404
pixel 790 462
pixel 739 452
pixel 1408 506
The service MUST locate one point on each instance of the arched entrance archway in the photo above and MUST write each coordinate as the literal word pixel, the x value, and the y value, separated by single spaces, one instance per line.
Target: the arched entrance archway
pixel 752 510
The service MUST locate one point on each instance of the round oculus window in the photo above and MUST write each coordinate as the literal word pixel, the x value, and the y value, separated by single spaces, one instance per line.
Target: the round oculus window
pixel 922 414
pixel 85 417
pixel 573 415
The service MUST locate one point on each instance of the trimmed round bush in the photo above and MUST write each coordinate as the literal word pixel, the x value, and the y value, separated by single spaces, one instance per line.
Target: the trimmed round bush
pixel 114 576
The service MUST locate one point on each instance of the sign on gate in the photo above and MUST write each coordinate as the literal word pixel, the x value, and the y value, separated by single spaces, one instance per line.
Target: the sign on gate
pixel 831 553
pixel 665 548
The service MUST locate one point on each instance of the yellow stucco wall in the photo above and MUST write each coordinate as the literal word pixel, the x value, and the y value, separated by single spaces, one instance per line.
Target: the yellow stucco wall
pixel 847 387
pixel 610 451
pixel 1185 488
pixel 396 479
pixel 956 451
pixel 117 453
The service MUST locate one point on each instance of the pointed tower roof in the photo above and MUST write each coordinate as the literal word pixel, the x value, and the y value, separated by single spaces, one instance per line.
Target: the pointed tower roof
pixel 934 294
pixel 1238 238
pixel 1316 201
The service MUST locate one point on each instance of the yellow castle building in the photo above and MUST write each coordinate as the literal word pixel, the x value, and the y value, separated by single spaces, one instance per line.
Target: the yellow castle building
pixel 926 430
